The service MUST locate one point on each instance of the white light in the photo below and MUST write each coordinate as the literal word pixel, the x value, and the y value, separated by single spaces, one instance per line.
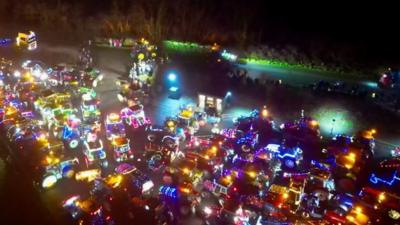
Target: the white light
pixel 120 98
pixel 36 72
pixel 25 64
pixel 207 210
pixel 71 200
pixel 147 186
pixel 173 89
pixel 172 76
pixel 49 181
pixel 228 94
pixel 17 73
pixel 44 76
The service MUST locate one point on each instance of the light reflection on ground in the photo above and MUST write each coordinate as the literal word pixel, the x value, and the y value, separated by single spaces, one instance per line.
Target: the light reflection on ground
pixel 334 120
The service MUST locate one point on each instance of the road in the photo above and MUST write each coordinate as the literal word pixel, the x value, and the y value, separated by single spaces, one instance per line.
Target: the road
pixel 299 77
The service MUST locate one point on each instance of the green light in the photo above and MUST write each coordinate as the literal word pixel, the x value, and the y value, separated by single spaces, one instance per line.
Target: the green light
pixel 334 120
pixel 185 47
pixel 278 63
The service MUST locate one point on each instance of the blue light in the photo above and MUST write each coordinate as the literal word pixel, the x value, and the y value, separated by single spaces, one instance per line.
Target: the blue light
pixel 67 132
pixel 228 94
pixel 172 77
pixel 374 179
pixel 168 191
pixel 296 153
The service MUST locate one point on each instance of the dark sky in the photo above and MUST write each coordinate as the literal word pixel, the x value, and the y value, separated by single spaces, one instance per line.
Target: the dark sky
pixel 370 28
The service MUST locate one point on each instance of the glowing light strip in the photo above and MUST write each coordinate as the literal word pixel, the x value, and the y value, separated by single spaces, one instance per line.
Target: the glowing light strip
pixel 374 179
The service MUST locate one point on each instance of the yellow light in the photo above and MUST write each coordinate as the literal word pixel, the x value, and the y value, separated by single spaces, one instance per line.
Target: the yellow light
pixel 170 123
pixel 381 197
pixel 285 195
pixel 314 123
pixel 350 218
pixel 352 156
pixel 89 175
pixel 114 116
pixel 264 113
pixel 348 166
pixel 141 56
pixel 358 209
pixel 186 170
pixel 373 131
pixel 252 174
pixel 229 177
pixel 214 149
pixel 114 181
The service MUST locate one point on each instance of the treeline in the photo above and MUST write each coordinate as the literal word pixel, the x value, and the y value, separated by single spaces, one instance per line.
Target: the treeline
pixel 243 24
pixel 199 20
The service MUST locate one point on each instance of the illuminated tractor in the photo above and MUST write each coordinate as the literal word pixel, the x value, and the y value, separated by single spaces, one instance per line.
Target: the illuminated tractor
pixel 64 75
pixel 11 116
pixel 89 109
pixel 27 40
pixel 114 126
pixel 187 120
pixel 305 128
pixel 94 150
pixel 134 116
pixel 143 71
pixel 27 132
pixel 57 169
pixel 71 134
pixel 289 157
pixel 27 93
pixel 121 149
pixel 90 78
pixel 132 90
pixel 380 206
pixel 89 211
pixel 390 79
pixel 85 58
pixel 37 69
pixel 56 120
pixel 159 138
pixel 160 149
pixel 52 101
pixel 212 107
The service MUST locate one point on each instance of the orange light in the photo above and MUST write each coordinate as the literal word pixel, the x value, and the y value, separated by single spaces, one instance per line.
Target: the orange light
pixel 186 170
pixel 264 113
pixel 314 123
pixel 381 197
